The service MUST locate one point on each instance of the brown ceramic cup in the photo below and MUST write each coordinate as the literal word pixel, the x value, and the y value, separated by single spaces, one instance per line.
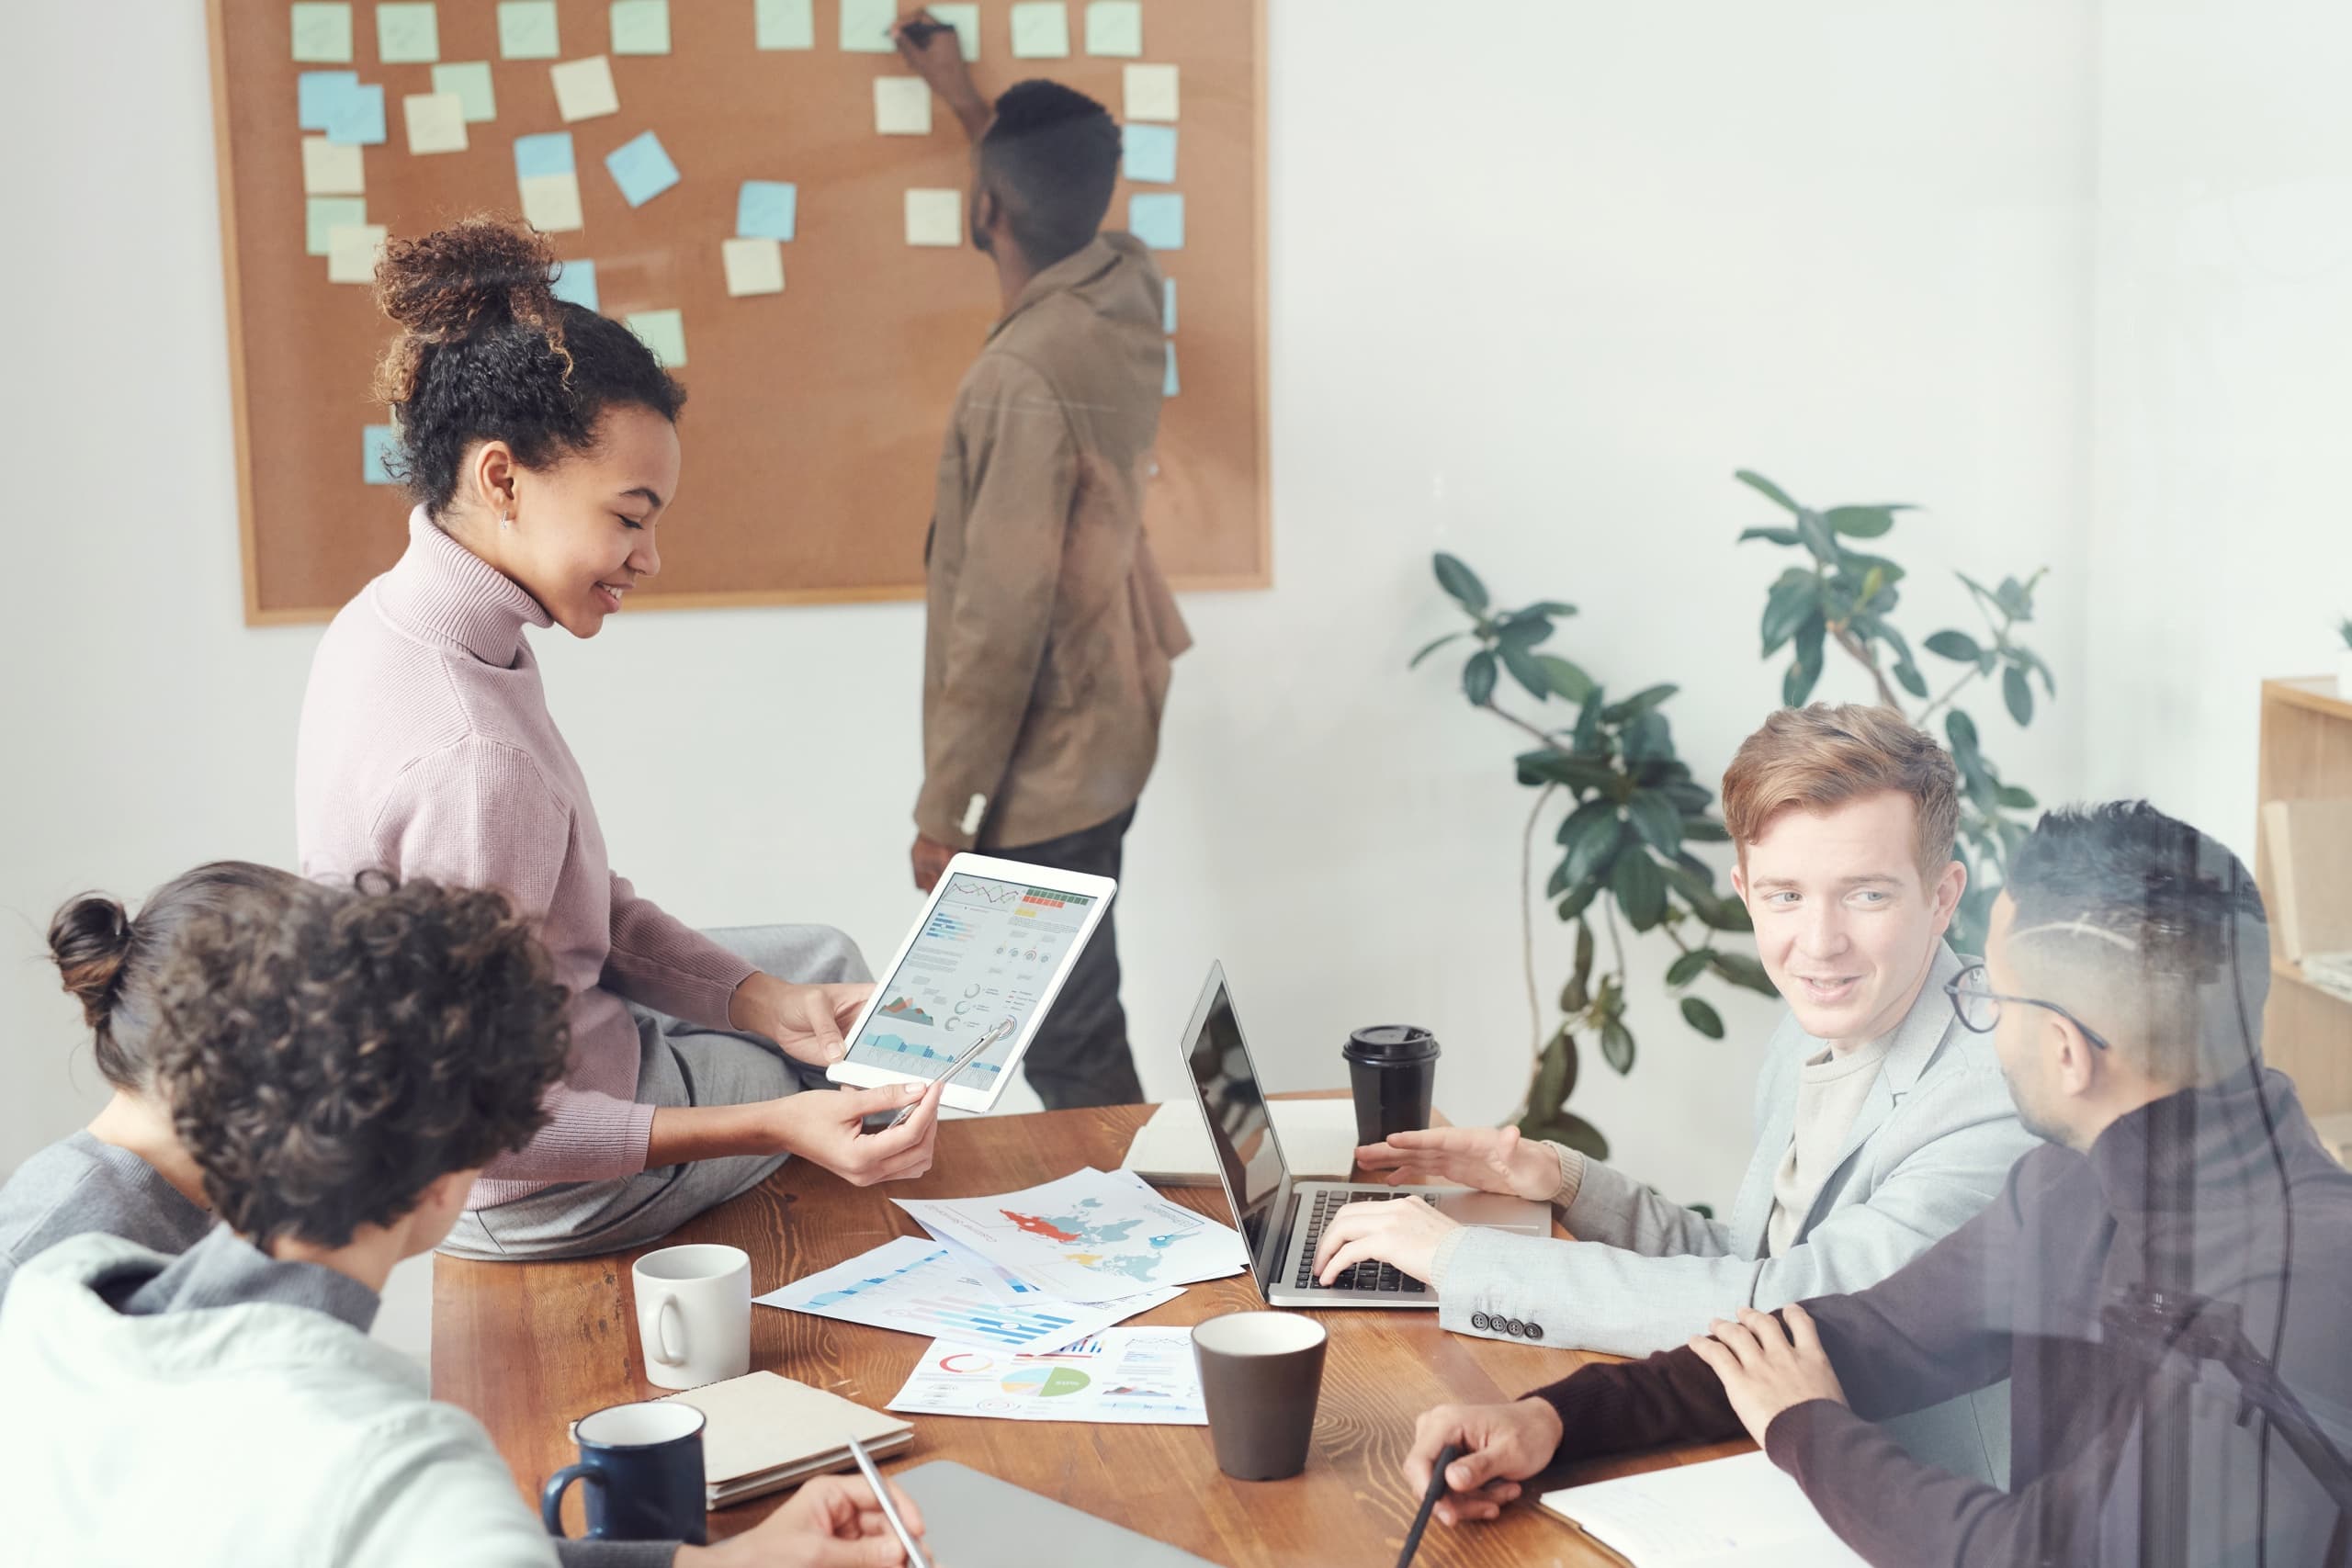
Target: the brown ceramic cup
pixel 1261 1373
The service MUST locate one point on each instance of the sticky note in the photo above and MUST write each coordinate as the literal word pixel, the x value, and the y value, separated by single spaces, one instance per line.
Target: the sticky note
pixel 965 20
pixel 352 250
pixel 526 29
pixel 1151 92
pixel 1151 152
pixel 322 33
pixel 1168 305
pixel 437 122
pixel 641 26
pixel 664 332
pixel 316 94
pixel 642 168
pixel 785 23
pixel 583 88
pixel 767 210
pixel 576 281
pixel 330 170
pixel 548 152
pixel 377 445
pixel 407 33
pixel 865 27
pixel 1041 32
pixel 323 214
pixel 1158 220
pixel 753 266
pixel 935 218
pixel 902 106
pixel 469 79
pixel 1168 387
pixel 357 119
pixel 1115 26
pixel 551 202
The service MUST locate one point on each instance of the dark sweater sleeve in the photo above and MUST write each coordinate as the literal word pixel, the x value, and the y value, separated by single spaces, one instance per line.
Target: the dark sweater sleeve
pixel 1671 1397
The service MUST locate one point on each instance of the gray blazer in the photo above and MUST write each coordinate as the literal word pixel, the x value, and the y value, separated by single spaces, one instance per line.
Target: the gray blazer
pixel 1931 1148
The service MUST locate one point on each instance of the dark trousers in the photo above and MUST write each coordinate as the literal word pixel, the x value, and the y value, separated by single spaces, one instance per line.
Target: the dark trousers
pixel 1080 1055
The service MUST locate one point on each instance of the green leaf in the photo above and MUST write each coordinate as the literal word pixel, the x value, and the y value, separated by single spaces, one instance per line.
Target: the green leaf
pixel 1795 596
pixel 1777 536
pixel 1816 537
pixel 2017 798
pixel 1584 952
pixel 1557 883
pixel 1572 1130
pixel 1553 1072
pixel 1617 1046
pixel 1640 703
pixel 1587 731
pixel 2018 694
pixel 1804 671
pixel 1728 914
pixel 1430 647
pixel 1956 645
pixel 1862 522
pixel 1578 900
pixel 1640 887
pixel 1702 1018
pixel 1550 607
pixel 1461 583
pixel 1962 731
pixel 1744 970
pixel 2015 599
pixel 1580 822
pixel 1907 676
pixel 1524 669
pixel 1478 678
pixel 1523 628
pixel 1649 739
pixel 1704 830
pixel 1596 844
pixel 2027 659
pixel 1689 966
pixel 1766 488
pixel 1658 819
pixel 1567 680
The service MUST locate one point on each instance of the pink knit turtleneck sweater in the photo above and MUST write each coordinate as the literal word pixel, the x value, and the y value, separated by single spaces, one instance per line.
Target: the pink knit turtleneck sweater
pixel 427 749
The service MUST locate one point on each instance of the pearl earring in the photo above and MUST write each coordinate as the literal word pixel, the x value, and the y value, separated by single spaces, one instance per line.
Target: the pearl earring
pixel 506 520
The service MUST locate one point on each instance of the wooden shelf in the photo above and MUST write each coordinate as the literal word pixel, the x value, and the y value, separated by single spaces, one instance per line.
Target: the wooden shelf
pixel 2316 693
pixel 2281 969
pixel 2306 754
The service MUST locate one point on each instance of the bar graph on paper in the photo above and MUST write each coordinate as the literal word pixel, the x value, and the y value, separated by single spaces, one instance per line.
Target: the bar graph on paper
pixel 916 1285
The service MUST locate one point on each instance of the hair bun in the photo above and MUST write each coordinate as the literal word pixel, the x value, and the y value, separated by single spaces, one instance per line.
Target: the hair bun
pixel 477 274
pixel 90 937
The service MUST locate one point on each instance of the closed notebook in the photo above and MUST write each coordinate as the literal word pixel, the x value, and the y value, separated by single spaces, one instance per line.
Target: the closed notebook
pixel 766 1432
pixel 1742 1511
pixel 1318 1139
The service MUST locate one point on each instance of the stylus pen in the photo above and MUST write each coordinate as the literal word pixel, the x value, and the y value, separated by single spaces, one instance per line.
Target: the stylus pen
pixel 1445 1457
pixel 915 1559
pixel 971 1053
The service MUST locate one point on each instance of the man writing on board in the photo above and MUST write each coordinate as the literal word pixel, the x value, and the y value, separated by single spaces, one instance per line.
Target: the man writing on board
pixel 1050 630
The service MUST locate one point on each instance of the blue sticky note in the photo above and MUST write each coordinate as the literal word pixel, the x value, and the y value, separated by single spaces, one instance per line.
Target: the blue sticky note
pixel 642 169
pixel 357 118
pixel 1151 153
pixel 377 443
pixel 317 92
pixel 549 153
pixel 577 282
pixel 1168 388
pixel 1158 220
pixel 767 210
pixel 1168 305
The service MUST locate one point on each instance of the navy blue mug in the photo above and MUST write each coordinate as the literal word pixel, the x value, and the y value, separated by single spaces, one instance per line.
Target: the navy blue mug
pixel 643 1466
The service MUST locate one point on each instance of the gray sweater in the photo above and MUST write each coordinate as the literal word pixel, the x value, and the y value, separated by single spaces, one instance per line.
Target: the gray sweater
pixel 79 1184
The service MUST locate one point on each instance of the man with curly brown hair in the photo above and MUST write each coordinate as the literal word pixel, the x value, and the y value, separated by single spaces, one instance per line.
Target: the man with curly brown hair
pixel 339 1064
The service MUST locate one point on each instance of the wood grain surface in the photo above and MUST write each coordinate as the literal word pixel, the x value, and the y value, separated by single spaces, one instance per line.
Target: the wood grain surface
pixel 528 1347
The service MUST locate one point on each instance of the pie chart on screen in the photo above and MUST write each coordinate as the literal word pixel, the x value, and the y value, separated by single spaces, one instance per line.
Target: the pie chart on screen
pixel 1047 1382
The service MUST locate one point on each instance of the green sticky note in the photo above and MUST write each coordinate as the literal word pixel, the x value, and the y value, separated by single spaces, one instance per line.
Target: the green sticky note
pixel 785 24
pixel 470 80
pixel 322 34
pixel 664 332
pixel 641 26
pixel 965 20
pixel 865 26
pixel 408 34
pixel 1115 26
pixel 321 213
pixel 526 29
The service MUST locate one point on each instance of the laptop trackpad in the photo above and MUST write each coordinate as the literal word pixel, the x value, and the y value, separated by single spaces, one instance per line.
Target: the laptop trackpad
pixel 1498 1210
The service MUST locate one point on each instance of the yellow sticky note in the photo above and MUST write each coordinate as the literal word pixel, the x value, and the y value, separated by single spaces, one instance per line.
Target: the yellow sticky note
pixel 551 202
pixel 1115 26
pixel 664 332
pixel 329 169
pixel 935 218
pixel 902 106
pixel 1041 32
pixel 641 26
pixel 322 34
pixel 583 88
pixel 408 34
pixel 469 79
pixel 1152 93
pixel 437 122
pixel 352 250
pixel 753 266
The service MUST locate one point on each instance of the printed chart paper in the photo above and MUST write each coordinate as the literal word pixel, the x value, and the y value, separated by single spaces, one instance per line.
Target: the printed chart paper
pixel 1143 1377
pixel 915 1286
pixel 1092 1236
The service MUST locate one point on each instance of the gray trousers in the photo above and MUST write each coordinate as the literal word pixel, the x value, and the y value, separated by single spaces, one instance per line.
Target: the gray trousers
pixel 679 1064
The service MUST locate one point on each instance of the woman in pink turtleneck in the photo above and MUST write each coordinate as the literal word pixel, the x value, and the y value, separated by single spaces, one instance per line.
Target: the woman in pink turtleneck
pixel 539 441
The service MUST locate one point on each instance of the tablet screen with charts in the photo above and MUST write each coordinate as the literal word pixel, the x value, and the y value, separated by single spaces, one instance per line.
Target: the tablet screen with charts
pixel 984 963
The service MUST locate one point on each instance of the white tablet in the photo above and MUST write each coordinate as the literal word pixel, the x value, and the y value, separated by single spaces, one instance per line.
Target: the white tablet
pixel 989 955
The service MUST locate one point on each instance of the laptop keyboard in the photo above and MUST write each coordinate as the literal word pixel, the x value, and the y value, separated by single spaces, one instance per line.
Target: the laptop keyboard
pixel 1367 1277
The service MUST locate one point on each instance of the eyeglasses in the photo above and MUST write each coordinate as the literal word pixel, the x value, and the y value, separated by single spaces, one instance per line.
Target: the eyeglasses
pixel 1979 1010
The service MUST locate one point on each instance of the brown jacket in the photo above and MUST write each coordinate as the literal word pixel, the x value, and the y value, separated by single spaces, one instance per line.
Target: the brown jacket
pixel 1050 629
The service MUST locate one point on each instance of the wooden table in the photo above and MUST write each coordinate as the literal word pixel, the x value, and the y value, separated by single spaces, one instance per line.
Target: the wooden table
pixel 528 1347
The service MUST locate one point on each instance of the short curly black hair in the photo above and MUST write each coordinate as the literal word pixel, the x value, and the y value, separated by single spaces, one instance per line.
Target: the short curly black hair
pixel 328 1054
pixel 1051 155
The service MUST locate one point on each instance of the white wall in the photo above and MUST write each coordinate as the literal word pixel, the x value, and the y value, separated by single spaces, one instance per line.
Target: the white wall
pixel 1539 285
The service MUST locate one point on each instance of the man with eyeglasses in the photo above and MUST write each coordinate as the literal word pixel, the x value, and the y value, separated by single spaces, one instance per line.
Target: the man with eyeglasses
pixel 2162 1282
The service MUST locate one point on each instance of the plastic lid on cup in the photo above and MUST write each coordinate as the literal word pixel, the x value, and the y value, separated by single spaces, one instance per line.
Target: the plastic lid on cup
pixel 1386 1043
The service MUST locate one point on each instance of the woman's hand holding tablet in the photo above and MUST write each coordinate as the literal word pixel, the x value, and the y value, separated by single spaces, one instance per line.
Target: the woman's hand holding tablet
pixel 808 1024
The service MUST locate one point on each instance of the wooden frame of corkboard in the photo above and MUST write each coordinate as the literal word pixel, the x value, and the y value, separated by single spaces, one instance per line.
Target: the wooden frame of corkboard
pixel 812 433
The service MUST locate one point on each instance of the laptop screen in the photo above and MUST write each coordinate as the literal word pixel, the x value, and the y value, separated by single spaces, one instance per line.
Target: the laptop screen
pixel 1242 1133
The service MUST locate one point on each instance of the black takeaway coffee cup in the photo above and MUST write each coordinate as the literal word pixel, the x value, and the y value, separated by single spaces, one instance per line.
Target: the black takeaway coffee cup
pixel 1392 1068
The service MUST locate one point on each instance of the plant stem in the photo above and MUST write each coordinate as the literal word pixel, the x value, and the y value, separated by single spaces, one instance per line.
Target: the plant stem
pixel 1511 719
pixel 1527 920
pixel 1854 646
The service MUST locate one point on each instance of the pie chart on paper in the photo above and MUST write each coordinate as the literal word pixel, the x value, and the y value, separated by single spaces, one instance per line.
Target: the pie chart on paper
pixel 1046 1382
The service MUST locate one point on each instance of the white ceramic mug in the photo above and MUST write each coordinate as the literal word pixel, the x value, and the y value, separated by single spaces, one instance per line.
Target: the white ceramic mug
pixel 693 1315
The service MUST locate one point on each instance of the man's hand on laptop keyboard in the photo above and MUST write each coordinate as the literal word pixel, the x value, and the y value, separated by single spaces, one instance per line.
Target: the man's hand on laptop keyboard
pixel 1400 1232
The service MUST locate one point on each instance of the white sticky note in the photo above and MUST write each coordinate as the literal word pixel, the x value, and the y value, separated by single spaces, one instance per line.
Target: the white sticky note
pixel 1041 32
pixel 527 31
pixel 352 250
pixel 867 24
pixel 583 88
pixel 785 23
pixel 664 332
pixel 641 26
pixel 469 79
pixel 322 215
pixel 408 34
pixel 322 34
pixel 1115 26
pixel 935 218
pixel 902 106
pixel 332 170
pixel 551 202
pixel 437 122
pixel 1151 92
pixel 965 20
pixel 753 266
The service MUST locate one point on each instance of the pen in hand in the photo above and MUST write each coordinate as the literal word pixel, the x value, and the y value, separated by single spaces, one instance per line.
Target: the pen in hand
pixel 1445 1458
pixel 915 1559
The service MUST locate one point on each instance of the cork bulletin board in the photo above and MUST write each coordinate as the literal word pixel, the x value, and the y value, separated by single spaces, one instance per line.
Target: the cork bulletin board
pixel 812 429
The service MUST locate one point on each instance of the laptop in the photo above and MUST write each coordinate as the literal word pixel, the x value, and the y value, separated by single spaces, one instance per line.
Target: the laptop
pixel 1282 1220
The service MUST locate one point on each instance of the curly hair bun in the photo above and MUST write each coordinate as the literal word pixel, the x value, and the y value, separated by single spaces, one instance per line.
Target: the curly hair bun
pixel 452 284
pixel 89 938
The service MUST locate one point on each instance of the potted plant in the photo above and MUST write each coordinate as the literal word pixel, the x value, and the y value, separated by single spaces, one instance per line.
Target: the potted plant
pixel 2344 661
